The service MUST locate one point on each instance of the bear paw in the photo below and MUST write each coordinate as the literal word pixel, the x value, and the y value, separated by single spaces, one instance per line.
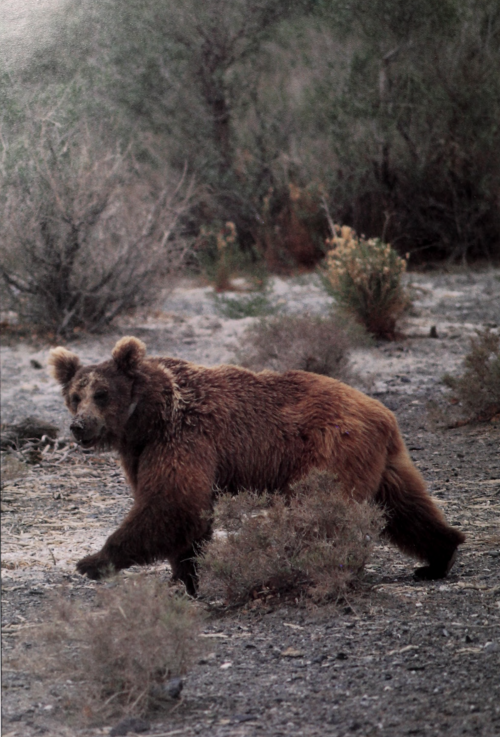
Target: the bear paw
pixel 435 571
pixel 95 567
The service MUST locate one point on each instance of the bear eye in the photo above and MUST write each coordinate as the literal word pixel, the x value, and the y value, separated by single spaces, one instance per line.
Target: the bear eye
pixel 75 398
pixel 101 396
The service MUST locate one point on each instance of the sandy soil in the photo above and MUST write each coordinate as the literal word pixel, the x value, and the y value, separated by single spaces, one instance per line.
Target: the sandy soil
pixel 398 657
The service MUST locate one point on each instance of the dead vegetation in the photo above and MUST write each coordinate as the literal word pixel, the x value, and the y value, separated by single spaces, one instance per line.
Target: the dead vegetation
pixel 301 342
pixel 312 543
pixel 122 654
pixel 84 236
pixel 477 389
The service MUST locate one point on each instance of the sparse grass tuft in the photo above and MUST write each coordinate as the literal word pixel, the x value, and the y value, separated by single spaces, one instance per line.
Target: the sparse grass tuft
pixel 478 388
pixel 311 543
pixel 120 653
pixel 365 277
pixel 253 304
pixel 300 342
pixel 11 468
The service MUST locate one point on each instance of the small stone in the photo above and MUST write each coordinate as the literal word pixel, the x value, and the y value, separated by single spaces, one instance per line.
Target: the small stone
pixel 433 333
pixel 291 652
pixel 240 718
pixel 319 658
pixel 135 725
pixel 491 647
pixel 168 691
pixel 174 687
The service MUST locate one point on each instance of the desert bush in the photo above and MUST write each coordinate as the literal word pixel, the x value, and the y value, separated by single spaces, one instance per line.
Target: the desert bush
pixel 11 468
pixel 365 277
pixel 119 653
pixel 312 543
pixel 478 387
pixel 83 238
pixel 302 342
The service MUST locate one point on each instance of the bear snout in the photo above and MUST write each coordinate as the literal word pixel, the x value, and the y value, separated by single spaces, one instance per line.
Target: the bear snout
pixel 86 431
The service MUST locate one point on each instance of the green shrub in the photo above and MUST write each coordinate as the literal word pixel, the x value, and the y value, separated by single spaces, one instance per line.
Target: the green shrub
pixel 365 277
pixel 245 305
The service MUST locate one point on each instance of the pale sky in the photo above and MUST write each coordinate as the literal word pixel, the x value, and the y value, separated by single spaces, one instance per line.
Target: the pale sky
pixel 22 24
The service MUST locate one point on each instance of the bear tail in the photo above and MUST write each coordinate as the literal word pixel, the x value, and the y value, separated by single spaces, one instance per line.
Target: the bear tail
pixel 414 523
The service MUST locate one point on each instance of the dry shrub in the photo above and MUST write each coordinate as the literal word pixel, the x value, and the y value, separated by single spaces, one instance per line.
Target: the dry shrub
pixel 302 342
pixel 312 542
pixel 120 653
pixel 478 388
pixel 86 231
pixel 365 277
pixel 11 468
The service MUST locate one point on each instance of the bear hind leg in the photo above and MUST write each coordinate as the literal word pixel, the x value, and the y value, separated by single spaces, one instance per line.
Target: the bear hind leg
pixel 414 523
pixel 184 566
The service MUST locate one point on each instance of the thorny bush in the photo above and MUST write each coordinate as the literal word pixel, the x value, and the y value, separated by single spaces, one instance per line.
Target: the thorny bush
pixel 84 234
pixel 365 277
pixel 121 652
pixel 478 387
pixel 312 543
pixel 302 342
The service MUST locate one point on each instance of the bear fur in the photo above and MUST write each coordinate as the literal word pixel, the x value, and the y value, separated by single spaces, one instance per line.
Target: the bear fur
pixel 184 431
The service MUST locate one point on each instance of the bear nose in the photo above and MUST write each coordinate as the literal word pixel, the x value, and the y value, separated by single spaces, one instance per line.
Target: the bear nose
pixel 77 428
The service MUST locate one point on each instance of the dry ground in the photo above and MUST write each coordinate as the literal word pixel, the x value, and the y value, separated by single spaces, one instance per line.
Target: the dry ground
pixel 396 657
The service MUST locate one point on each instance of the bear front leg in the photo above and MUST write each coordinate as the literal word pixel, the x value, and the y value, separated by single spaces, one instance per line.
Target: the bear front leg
pixel 124 548
pixel 150 532
pixel 95 566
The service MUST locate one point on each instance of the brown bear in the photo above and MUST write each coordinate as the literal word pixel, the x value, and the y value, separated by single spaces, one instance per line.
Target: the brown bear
pixel 184 431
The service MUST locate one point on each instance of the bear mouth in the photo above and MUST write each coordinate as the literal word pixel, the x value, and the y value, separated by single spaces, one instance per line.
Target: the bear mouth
pixel 88 443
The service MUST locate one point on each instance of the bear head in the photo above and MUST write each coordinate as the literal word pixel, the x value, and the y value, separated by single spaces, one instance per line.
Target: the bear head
pixel 102 397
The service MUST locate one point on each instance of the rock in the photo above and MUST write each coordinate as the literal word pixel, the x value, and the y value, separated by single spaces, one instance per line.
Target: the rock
pixel 291 652
pixel 135 725
pixel 169 691
pixel 491 647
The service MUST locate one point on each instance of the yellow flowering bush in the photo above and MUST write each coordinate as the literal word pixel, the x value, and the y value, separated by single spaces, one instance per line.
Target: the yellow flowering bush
pixel 365 277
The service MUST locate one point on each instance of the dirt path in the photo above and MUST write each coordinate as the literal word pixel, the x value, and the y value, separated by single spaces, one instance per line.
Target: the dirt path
pixel 398 657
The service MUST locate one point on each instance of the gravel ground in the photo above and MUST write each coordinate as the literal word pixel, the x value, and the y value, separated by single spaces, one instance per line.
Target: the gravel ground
pixel 395 657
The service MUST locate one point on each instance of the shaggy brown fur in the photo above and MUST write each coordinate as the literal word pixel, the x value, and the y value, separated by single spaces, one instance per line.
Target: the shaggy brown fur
pixel 184 430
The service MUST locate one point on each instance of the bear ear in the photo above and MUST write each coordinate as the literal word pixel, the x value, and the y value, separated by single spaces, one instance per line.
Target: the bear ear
pixel 64 364
pixel 128 353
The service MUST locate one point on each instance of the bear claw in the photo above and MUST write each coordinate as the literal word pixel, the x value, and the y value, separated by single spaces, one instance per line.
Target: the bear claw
pixel 94 567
